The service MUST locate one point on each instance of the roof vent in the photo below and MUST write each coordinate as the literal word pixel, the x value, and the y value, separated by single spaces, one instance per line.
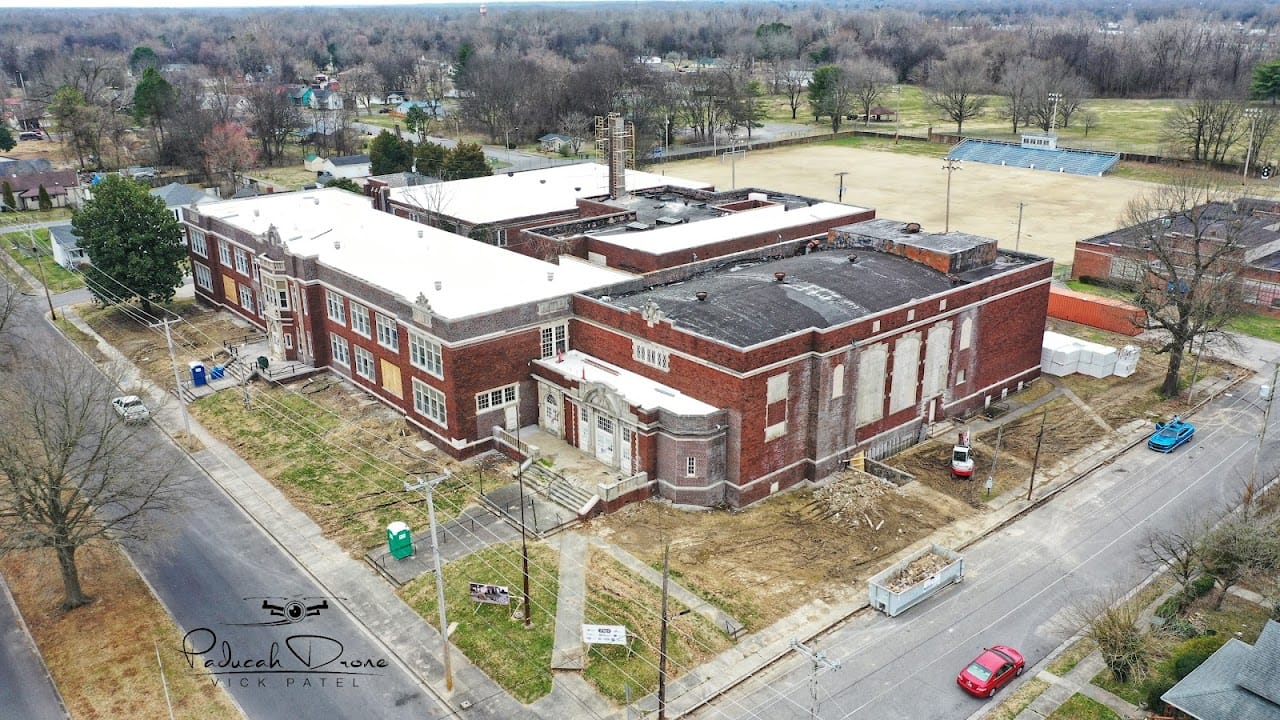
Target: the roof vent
pixel 419 233
pixel 255 212
pixel 315 201
pixel 701 295
pixel 779 276
pixel 853 259
pixel 543 181
pixel 551 276
pixel 337 244
pixel 577 188
pixel 439 285
pixel 511 174
pixel 911 228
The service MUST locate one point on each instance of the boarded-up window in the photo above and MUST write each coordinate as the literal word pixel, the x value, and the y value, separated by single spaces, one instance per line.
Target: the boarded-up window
pixel 775 412
pixel 870 387
pixel 966 333
pixel 906 367
pixel 936 355
pixel 391 378
pixel 837 381
pixel 228 287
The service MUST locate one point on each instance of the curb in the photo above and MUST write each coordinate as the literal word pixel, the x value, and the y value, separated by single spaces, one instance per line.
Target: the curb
pixel 31 641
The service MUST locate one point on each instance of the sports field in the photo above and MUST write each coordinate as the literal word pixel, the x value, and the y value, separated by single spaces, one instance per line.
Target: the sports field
pixel 1057 211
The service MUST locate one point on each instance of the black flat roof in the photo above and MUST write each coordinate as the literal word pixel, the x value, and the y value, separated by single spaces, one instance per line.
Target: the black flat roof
pixel 745 304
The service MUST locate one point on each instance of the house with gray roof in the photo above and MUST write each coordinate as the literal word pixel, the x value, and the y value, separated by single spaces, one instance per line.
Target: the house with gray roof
pixel 177 196
pixel 1238 682
pixel 66 247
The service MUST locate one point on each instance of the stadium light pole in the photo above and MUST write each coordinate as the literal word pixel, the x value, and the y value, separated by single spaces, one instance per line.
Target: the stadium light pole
pixel 897 114
pixel 1252 114
pixel 1053 119
pixel 951 165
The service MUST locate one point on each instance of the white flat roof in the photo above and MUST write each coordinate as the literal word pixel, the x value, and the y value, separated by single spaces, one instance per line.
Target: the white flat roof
pixel 637 389
pixel 765 219
pixel 408 258
pixel 502 197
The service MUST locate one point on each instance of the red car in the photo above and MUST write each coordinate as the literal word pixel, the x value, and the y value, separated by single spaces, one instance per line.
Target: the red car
pixel 991 670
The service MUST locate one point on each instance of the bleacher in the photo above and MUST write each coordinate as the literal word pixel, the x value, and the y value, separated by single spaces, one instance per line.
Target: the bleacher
pixel 1077 162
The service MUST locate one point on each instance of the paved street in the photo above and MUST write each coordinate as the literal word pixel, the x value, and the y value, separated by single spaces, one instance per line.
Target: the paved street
pixel 1020 582
pixel 218 571
pixel 25 690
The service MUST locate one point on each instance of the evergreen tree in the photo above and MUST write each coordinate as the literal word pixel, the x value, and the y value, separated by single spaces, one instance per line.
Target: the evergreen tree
pixel 1266 81
pixel 10 201
pixel 45 202
pixel 467 160
pixel 6 138
pixel 133 241
pixel 430 158
pixel 389 154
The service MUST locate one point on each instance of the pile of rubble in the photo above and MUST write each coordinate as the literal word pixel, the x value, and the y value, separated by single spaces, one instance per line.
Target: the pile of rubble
pixel 917 571
pixel 852 498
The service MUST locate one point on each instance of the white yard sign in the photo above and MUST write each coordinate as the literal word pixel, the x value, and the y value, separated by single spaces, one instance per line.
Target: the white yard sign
pixel 604 634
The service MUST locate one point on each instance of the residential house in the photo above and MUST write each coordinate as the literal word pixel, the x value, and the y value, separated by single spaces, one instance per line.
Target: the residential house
pixel 395 97
pixel 1121 256
pixel 1238 682
pixel 553 142
pixel 347 166
pixel 59 184
pixel 433 108
pixel 325 100
pixel 299 95
pixel 177 196
pixel 66 247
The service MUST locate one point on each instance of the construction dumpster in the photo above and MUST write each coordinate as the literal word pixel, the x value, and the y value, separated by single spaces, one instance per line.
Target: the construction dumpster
pixel 914 579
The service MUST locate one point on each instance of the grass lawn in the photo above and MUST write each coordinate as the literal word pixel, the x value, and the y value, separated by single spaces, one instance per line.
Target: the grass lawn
pixel 313 455
pixel 616 596
pixel 1259 326
pixel 1082 707
pixel 1019 700
pixel 518 659
pixel 34 216
pixel 58 278
pixel 1071 657
pixel 103 656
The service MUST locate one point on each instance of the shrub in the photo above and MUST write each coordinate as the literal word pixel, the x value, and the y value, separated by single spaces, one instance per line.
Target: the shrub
pixel 1170 607
pixel 1155 689
pixel 1190 654
pixel 1199 587
pixel 1275 612
pixel 1182 628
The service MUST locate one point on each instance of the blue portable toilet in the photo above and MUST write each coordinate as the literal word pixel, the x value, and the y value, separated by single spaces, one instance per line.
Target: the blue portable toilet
pixel 217 372
pixel 197 373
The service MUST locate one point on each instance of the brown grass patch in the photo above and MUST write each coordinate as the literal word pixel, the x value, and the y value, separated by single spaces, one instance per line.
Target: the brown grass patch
pixel 103 656
pixel 761 563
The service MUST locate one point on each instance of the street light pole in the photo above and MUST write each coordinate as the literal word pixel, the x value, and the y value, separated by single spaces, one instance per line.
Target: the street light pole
pixel 840 192
pixel 1252 114
pixel 1017 240
pixel 427 486
pixel 897 114
pixel 507 137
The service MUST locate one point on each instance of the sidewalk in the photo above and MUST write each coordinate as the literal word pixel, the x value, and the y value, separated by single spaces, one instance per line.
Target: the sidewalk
pixel 1077 681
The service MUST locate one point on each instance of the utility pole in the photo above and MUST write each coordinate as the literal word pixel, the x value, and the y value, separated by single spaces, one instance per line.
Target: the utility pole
pixel 177 379
pixel 951 165
pixel 1252 487
pixel 662 638
pixel 820 661
pixel 1035 463
pixel 1017 239
pixel 524 547
pixel 840 192
pixel 991 477
pixel 1195 368
pixel 427 486
pixel 40 264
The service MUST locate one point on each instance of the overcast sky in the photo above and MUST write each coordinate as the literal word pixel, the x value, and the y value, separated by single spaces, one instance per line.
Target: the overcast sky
pixel 101 4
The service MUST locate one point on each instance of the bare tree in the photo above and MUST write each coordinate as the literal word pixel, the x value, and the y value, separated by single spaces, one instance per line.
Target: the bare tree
pixel 868 80
pixel 1240 547
pixel 73 471
pixel 1175 550
pixel 273 118
pixel 793 81
pixel 1116 627
pixel 955 87
pixel 1185 256
pixel 361 84
pixel 1207 127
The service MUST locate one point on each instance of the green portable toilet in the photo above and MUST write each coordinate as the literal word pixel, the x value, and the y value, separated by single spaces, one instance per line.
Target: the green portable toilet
pixel 263 362
pixel 399 540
